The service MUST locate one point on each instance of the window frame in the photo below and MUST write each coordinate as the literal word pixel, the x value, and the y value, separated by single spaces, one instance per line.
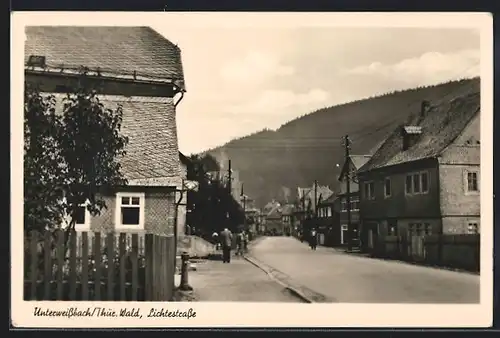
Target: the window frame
pixel 466 182
pixel 79 226
pixel 367 190
pixel 420 175
pixel 387 179
pixel 477 224
pixel 118 212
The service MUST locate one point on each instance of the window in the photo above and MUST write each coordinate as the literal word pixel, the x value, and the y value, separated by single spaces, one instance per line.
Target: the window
pixel 343 205
pixel 369 190
pixel 387 187
pixel 419 229
pixel 417 183
pixel 330 212
pixel 427 229
pixel 424 178
pixel 81 218
pixel 354 204
pixel 472 181
pixel 130 210
pixel 473 227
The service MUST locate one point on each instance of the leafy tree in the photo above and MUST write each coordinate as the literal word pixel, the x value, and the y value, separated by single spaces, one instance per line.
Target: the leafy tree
pixel 71 155
pixel 212 206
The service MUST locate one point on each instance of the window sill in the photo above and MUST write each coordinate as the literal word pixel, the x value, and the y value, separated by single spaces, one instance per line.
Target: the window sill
pixel 129 227
pixel 472 193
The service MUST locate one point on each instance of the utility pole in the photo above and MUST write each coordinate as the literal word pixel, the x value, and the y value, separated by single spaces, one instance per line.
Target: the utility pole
pixel 315 199
pixel 244 208
pixel 229 186
pixel 347 146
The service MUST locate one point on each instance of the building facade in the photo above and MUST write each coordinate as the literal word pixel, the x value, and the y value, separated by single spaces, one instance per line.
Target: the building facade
pixel 424 179
pixel 146 79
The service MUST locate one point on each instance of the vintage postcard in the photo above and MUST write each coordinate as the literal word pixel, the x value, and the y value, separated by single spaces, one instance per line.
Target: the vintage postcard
pixel 252 169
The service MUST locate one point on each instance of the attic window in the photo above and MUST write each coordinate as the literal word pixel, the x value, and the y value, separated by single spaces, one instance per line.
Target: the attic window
pixel 36 61
pixel 410 136
pixel 413 130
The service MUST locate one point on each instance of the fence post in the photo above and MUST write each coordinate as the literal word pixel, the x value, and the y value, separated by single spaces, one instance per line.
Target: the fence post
pixel 72 265
pixel 184 273
pixel 34 266
pixel 149 254
pixel 85 266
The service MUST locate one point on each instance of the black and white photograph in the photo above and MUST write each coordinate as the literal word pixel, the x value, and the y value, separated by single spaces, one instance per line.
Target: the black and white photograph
pixel 266 161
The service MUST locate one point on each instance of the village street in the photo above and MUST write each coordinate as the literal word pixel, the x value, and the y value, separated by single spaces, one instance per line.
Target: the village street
pixel 343 277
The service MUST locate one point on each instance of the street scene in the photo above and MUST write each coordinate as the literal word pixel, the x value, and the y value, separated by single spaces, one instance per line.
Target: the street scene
pixel 292 165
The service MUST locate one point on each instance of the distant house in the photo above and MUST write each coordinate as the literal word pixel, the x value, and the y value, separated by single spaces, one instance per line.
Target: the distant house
pixel 273 222
pixel 139 69
pixel 425 178
pixel 287 218
pixel 329 222
pixel 348 174
pixel 308 202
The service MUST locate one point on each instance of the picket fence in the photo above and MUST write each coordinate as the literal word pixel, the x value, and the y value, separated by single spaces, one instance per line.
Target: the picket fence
pixel 96 266
pixel 460 251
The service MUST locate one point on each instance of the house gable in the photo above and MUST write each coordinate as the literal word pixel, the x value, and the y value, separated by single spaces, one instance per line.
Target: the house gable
pixel 440 125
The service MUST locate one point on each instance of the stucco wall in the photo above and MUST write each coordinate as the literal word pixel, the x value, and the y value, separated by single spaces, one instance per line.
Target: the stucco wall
pixel 158 214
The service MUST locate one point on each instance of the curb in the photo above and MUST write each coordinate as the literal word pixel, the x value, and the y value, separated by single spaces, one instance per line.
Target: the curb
pixel 292 290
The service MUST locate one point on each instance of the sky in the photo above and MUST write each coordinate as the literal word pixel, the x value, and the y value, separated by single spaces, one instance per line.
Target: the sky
pixel 242 80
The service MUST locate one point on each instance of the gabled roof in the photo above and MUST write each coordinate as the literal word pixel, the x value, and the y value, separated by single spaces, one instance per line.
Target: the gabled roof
pixel 275 212
pixel 288 209
pixel 440 126
pixel 184 159
pixel 152 156
pixel 118 51
pixel 357 161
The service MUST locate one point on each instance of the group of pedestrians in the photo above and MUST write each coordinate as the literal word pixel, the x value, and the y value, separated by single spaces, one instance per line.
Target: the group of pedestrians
pixel 225 242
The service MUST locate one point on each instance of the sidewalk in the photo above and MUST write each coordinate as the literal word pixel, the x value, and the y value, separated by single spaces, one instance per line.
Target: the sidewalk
pixel 239 281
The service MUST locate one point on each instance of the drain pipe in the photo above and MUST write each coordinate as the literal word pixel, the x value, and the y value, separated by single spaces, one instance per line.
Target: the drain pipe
pixel 182 91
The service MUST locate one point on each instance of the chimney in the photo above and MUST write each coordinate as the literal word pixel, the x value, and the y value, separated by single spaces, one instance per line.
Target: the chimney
pixel 423 108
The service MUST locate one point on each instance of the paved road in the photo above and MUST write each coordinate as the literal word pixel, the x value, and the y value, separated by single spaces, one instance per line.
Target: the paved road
pixel 239 281
pixel 355 279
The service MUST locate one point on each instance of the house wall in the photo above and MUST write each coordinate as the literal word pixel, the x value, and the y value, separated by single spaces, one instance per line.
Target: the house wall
pixel 159 206
pixel 458 206
pixel 400 205
pixel 182 208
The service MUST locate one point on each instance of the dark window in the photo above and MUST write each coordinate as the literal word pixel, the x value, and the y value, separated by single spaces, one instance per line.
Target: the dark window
pixel 371 190
pixel 425 181
pixel 472 184
pixel 80 215
pixel 135 200
pixel 409 184
pixel 427 229
pixel 473 228
pixel 125 200
pixel 387 187
pixel 130 215
pixel 416 183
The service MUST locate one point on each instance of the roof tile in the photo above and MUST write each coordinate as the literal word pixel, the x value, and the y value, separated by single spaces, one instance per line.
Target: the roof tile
pixel 121 50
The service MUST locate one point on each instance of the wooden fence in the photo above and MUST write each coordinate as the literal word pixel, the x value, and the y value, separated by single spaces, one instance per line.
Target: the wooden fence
pixel 454 251
pixel 95 266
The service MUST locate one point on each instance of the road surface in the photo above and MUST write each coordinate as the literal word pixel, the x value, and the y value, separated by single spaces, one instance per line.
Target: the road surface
pixel 238 281
pixel 349 278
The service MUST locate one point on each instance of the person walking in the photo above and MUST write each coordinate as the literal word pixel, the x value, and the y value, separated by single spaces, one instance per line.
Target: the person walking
pixel 239 243
pixel 226 238
pixel 314 239
pixel 245 241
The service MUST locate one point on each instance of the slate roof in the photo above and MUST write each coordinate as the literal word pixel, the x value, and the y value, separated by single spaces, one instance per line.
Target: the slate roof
pixel 442 124
pixel 115 50
pixel 287 209
pixel 152 156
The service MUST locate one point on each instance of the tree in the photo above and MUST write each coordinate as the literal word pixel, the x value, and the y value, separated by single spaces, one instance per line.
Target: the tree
pixel 212 206
pixel 71 156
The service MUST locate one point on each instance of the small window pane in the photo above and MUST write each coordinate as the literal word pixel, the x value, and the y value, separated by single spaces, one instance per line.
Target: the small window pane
pixel 416 183
pixel 427 229
pixel 408 184
pixel 130 216
pixel 425 182
pixel 372 190
pixel 80 215
pixel 387 187
pixel 125 200
pixel 135 200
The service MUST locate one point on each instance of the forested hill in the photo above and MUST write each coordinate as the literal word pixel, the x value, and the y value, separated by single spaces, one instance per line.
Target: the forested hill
pixel 273 163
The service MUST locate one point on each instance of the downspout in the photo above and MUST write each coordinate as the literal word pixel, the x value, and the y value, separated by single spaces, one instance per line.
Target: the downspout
pixel 182 91
pixel 176 218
